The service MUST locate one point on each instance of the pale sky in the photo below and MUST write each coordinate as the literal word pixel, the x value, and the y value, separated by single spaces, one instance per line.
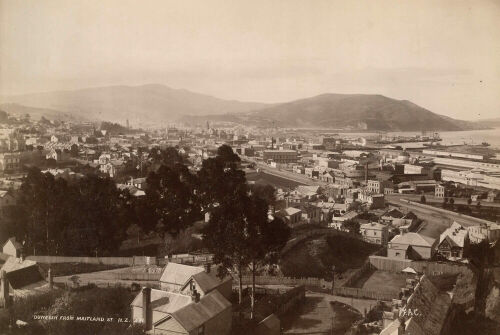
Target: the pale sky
pixel 441 54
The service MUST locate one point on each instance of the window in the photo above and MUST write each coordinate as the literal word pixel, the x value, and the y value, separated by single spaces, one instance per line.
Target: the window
pixel 201 330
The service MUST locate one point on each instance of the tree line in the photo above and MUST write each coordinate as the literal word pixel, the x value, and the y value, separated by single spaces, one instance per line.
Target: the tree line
pixel 90 216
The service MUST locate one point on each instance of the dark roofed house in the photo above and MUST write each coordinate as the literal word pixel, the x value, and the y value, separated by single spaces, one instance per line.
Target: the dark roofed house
pixel 389 216
pixel 211 315
pixel 24 277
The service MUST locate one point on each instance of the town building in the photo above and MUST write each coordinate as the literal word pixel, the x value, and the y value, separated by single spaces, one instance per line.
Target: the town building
pixel 485 231
pixel 375 232
pixel 280 156
pixel 310 213
pixel 378 186
pixel 10 162
pixel 439 191
pixel 473 178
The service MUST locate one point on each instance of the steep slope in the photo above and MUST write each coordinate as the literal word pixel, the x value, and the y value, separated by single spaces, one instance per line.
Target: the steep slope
pixel 148 103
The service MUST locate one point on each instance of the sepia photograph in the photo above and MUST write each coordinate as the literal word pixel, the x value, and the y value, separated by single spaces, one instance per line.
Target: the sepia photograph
pixel 263 167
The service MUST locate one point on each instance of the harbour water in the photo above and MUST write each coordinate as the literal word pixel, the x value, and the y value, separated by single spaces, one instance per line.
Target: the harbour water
pixel 474 137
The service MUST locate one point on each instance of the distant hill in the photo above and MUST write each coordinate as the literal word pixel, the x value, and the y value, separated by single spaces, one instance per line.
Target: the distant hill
pixel 36 113
pixel 156 104
pixel 348 111
pixel 147 103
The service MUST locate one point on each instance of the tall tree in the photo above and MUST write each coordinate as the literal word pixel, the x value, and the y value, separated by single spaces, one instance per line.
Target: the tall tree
pixel 267 236
pixel 170 190
pixel 220 179
pixel 227 236
pixel 40 200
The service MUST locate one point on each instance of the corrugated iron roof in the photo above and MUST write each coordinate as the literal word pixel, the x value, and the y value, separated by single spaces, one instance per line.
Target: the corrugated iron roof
pixel 164 301
pixel 205 281
pixel 179 274
pixel 196 314
pixel 414 239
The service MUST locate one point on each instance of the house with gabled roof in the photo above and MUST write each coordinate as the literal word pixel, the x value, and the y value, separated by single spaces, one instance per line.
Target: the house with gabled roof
pixel 24 277
pixel 210 315
pixel 205 283
pixel 190 301
pixel 292 216
pixel 453 242
pixel 175 275
pixel 411 246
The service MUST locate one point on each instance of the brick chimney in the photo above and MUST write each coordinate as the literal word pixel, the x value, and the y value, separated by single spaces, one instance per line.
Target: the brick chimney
pixel 146 308
pixel 208 267
pixel 195 296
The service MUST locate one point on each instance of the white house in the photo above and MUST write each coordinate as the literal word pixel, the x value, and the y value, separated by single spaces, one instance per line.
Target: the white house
pixel 12 247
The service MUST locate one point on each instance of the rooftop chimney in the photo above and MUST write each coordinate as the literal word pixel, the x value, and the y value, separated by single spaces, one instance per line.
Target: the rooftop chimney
pixel 195 296
pixel 208 267
pixel 146 308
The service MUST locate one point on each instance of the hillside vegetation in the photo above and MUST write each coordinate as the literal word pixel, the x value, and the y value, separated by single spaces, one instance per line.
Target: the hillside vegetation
pixel 315 257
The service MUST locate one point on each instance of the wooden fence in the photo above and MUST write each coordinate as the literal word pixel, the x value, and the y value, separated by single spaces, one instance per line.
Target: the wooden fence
pixel 191 259
pixel 358 274
pixel 288 281
pixel 426 267
pixel 131 261
pixel 103 284
pixel 364 294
